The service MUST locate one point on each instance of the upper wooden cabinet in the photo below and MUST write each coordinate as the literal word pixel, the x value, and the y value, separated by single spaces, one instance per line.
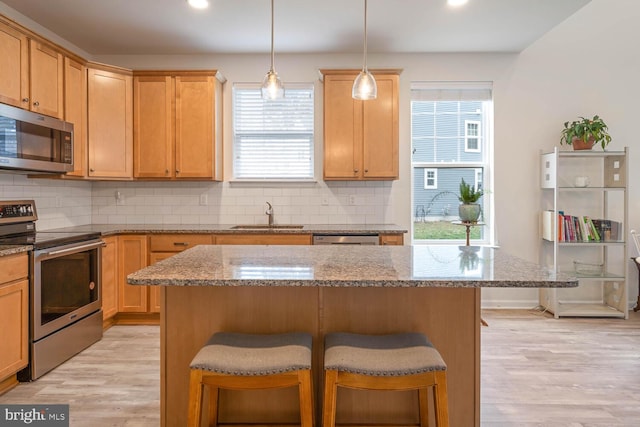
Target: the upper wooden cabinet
pixel 46 83
pixel 75 111
pixel 178 125
pixel 31 76
pixel 109 124
pixel 360 137
pixel 14 72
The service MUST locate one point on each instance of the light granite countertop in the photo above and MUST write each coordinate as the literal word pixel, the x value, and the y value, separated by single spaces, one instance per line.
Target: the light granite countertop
pixel 108 229
pixel 6 250
pixel 349 266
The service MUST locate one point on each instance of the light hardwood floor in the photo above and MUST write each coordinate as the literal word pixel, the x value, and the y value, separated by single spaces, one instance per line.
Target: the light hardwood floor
pixel 536 372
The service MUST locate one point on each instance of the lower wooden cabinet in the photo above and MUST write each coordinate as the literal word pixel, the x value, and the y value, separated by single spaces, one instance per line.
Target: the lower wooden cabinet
pixel 162 246
pixel 132 256
pixel 109 282
pixel 14 317
pixel 392 239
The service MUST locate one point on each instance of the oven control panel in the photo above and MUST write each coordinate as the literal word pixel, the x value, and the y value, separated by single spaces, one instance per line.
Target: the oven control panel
pixel 17 211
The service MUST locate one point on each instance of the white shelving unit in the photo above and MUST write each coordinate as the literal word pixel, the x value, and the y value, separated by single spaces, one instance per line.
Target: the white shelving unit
pixel 589 183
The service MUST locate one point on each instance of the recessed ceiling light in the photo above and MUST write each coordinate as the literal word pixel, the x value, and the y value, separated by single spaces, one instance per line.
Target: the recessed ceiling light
pixel 198 4
pixel 456 3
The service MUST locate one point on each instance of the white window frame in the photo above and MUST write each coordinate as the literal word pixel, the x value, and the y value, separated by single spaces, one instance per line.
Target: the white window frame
pixel 433 186
pixel 441 91
pixel 468 136
pixel 270 167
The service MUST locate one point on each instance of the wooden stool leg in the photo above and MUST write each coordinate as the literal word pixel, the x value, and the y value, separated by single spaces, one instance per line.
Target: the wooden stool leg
pixel 423 406
pixel 441 400
pixel 195 398
pixel 214 393
pixel 329 401
pixel 306 398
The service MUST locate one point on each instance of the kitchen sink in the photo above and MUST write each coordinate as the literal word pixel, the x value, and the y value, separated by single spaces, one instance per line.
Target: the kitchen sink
pixel 267 227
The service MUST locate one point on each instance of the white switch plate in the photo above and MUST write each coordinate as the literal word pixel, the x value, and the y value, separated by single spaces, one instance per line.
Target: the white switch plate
pixel 325 201
pixel 352 199
pixel 204 200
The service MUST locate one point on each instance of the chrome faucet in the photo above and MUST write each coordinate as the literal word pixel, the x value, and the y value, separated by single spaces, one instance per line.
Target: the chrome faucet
pixel 269 213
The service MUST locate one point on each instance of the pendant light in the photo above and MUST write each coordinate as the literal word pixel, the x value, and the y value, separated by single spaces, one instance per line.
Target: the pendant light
pixel 364 86
pixel 272 87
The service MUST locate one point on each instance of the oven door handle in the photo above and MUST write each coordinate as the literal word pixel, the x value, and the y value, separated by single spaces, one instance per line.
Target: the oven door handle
pixel 72 250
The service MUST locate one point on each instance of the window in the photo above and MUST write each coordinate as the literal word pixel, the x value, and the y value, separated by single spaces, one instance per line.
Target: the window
pixel 450 137
pixel 273 139
pixel 430 179
pixel 472 136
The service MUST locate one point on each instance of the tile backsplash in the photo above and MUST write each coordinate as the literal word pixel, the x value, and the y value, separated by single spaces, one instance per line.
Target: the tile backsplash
pixel 59 203
pixel 64 203
pixel 241 203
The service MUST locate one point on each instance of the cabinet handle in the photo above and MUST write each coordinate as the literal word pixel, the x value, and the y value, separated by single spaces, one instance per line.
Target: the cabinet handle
pixel 355 171
pixel 36 104
pixel 91 170
pixel 177 171
pixel 180 243
pixel 366 170
pixel 25 99
pixel 166 171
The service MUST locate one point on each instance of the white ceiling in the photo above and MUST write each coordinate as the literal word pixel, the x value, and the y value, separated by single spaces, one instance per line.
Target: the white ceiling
pixel 104 27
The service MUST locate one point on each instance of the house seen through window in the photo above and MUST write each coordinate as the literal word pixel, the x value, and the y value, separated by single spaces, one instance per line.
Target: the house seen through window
pixel 450 139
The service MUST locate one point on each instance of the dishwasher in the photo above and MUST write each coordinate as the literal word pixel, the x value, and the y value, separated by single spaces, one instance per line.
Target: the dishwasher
pixel 346 239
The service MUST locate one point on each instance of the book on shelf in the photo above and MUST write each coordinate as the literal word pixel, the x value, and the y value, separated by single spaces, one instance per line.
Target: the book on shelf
pixel 571 228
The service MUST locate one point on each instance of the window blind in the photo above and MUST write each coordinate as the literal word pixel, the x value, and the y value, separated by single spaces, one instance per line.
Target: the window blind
pixel 273 139
pixel 451 91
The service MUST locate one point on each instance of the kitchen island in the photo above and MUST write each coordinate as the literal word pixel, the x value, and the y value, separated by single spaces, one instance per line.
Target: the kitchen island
pixel 320 289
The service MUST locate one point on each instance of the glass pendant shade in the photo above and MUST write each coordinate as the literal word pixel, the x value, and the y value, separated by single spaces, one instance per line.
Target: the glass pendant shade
pixel 364 86
pixel 272 87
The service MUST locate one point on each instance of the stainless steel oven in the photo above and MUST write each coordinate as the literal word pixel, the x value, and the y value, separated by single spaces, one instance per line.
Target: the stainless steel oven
pixel 64 287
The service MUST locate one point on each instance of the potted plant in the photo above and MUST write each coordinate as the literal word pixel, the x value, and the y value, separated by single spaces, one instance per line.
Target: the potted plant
pixel 583 134
pixel 469 210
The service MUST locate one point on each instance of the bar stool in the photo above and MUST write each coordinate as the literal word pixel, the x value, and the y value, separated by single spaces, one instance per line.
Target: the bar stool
pixel 404 361
pixel 237 361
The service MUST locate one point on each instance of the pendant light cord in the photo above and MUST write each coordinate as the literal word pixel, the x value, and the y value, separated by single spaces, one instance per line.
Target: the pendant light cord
pixel 272 53
pixel 364 62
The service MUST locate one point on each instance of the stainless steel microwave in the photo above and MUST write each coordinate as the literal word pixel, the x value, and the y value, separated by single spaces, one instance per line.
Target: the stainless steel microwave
pixel 34 143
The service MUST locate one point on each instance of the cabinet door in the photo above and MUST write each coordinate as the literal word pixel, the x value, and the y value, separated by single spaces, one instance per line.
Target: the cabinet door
pixel 391 239
pixel 75 111
pixel 46 82
pixel 196 127
pixel 14 72
pixel 110 135
pixel 380 131
pixel 132 256
pixel 14 318
pixel 153 127
pixel 109 278
pixel 342 129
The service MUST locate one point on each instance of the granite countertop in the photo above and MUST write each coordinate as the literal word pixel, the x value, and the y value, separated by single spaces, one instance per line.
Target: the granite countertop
pixel 108 229
pixel 349 266
pixel 6 250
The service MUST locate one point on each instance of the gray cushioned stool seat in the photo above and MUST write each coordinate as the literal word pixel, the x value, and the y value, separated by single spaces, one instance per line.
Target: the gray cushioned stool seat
pixel 254 354
pixel 381 355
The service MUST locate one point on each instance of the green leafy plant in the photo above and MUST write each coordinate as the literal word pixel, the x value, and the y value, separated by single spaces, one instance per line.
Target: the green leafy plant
pixel 468 193
pixel 585 129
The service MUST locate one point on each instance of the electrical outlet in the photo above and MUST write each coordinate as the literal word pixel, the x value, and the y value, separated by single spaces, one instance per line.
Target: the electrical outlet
pixel 119 198
pixel 352 199
pixel 324 201
pixel 204 200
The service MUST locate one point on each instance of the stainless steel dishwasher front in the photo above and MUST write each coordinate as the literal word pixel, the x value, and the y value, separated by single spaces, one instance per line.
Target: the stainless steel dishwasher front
pixel 346 239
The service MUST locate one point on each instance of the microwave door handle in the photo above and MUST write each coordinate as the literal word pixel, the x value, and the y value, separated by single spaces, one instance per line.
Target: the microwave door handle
pixel 73 250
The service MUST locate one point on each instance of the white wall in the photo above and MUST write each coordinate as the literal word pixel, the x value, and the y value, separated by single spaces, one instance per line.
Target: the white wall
pixel 534 93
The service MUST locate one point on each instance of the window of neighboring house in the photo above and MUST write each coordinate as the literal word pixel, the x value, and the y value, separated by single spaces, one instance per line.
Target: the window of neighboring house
pixel 472 136
pixel 273 139
pixel 451 140
pixel 430 179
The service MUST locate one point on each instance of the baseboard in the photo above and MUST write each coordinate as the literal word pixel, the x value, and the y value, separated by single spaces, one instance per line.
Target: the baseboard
pixel 8 383
pixel 137 319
